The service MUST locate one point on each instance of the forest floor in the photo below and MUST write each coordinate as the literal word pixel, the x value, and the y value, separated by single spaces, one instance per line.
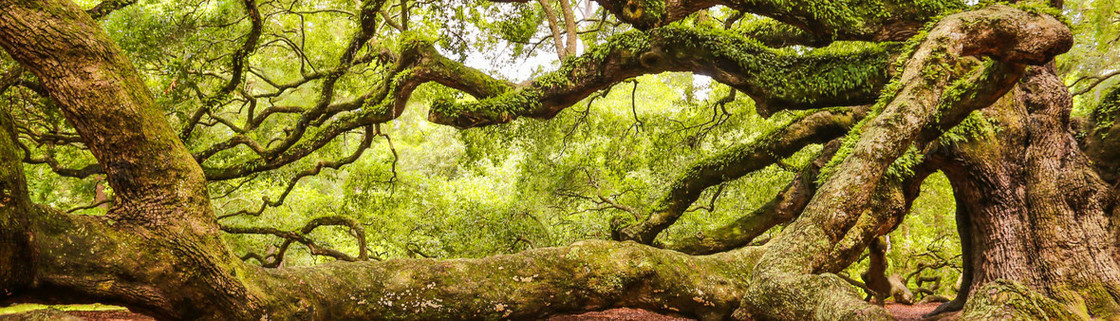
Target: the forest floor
pixel 901 312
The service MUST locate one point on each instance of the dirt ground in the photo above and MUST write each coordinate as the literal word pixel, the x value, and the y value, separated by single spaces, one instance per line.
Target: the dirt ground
pixel 110 316
pixel 901 312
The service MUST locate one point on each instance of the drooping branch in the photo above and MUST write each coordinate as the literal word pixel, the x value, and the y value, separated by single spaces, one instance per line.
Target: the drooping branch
pixel 238 65
pixel 367 140
pixel 782 208
pixel 274 259
pixel 890 20
pixel 418 63
pixel 816 128
pixel 775 79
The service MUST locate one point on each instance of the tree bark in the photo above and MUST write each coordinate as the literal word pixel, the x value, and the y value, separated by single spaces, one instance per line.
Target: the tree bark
pixel 159 250
pixel 1038 214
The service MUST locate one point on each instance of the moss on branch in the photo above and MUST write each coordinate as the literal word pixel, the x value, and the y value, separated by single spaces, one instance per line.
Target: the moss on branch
pixel 783 141
pixel 843 74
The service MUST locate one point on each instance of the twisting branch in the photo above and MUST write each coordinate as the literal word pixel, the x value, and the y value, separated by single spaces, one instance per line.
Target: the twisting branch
pixel 367 140
pixel 775 79
pixel 720 115
pixel 784 141
pixel 779 210
pixel 276 257
pixel 237 68
pixel 418 63
pixel 393 150
pixel 634 107
pixel 56 167
pixel 711 206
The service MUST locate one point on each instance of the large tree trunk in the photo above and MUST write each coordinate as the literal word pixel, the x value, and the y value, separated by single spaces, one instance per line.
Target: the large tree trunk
pixel 1037 213
pixel 159 248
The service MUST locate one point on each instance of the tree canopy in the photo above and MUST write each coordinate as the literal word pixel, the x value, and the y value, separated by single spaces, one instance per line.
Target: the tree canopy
pixel 497 159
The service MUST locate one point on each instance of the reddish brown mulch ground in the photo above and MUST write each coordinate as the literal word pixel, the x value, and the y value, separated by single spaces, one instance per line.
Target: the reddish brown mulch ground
pixel 110 316
pixel 901 312
pixel 904 312
pixel 620 314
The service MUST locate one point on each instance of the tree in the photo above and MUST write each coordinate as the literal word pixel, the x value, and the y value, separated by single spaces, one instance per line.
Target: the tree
pixel 975 94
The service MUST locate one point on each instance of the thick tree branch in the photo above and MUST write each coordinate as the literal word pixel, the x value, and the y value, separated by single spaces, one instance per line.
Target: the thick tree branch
pixel 890 20
pixel 776 79
pixel 108 6
pixel 103 97
pixel 816 128
pixel 784 207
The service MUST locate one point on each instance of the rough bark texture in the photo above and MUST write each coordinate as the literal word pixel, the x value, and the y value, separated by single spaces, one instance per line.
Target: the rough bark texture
pixel 1038 215
pixel 1037 211
pixel 15 239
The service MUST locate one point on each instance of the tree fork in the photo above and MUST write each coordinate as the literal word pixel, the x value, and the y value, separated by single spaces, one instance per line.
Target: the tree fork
pixel 783 208
pixel 845 214
pixel 816 128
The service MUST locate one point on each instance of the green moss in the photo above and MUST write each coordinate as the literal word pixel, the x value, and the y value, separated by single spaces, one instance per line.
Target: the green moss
pixel 1104 115
pixel 1010 300
pixel 903 167
pixel 1042 8
pixel 975 126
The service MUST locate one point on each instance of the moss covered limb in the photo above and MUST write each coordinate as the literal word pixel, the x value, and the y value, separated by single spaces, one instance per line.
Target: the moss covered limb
pixel 733 163
pixel 889 20
pixel 852 205
pixel 105 99
pixel 15 250
pixel 774 33
pixel 789 202
pixel 91 260
pixel 784 207
pixel 840 75
pixel 591 275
